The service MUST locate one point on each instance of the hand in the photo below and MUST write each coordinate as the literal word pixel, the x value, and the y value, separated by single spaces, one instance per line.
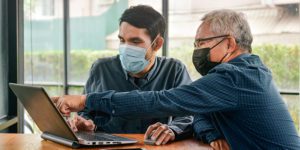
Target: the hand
pixel 69 103
pixel 220 144
pixel 79 123
pixel 160 133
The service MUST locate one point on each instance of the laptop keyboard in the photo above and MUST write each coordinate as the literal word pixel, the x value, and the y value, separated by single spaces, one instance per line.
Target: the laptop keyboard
pixel 99 137
pixel 116 138
pixel 93 137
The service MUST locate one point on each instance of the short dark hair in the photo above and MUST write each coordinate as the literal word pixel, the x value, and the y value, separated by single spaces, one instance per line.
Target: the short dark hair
pixel 143 16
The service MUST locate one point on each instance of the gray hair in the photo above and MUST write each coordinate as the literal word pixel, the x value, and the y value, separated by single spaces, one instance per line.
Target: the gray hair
pixel 222 22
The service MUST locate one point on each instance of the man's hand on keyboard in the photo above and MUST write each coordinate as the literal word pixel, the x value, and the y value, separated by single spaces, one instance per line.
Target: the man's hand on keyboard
pixel 78 123
pixel 69 103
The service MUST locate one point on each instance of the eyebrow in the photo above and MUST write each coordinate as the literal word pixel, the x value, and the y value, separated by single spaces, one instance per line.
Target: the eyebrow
pixel 132 38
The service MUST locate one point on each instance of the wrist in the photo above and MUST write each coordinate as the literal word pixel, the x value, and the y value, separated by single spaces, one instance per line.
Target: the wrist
pixel 83 100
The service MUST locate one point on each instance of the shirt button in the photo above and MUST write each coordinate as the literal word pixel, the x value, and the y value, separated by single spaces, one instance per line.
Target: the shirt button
pixel 113 111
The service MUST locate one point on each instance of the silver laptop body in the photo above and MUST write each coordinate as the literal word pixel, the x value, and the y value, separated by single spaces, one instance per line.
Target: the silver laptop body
pixel 54 127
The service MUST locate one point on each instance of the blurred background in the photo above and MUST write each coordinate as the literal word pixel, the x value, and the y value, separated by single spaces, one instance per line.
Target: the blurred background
pixel 62 39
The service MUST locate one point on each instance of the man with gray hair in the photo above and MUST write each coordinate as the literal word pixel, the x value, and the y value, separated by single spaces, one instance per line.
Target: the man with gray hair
pixel 235 100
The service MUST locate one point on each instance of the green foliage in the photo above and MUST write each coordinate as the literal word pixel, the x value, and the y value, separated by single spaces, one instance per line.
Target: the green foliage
pixel 47 66
pixel 284 63
pixel 81 61
pixel 43 66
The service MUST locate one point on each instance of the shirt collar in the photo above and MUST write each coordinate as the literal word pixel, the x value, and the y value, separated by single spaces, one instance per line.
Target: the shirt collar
pixel 240 57
pixel 148 75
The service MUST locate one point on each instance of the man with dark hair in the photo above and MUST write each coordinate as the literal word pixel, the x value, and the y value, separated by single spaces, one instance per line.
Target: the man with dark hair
pixel 136 67
pixel 235 101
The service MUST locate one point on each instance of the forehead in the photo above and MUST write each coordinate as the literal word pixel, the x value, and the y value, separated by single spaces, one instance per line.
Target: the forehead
pixel 203 31
pixel 127 30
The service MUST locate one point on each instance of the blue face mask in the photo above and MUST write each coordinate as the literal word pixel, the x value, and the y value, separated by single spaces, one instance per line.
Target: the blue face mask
pixel 133 58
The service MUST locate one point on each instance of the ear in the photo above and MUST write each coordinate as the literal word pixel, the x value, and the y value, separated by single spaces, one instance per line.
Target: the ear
pixel 231 46
pixel 158 43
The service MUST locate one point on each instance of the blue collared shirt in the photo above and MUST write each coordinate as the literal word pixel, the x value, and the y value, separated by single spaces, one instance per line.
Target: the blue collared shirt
pixel 108 74
pixel 240 98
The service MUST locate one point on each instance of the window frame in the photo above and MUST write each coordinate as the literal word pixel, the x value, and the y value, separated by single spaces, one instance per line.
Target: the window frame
pixel 13 18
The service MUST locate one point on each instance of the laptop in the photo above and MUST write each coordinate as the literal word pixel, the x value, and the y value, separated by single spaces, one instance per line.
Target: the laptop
pixel 51 122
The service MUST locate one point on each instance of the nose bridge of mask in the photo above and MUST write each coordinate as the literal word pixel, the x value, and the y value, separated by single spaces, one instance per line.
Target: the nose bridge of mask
pixel 132 47
pixel 133 51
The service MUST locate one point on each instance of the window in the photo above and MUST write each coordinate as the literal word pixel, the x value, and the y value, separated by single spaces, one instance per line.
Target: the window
pixel 8 66
pixel 43 48
pixel 3 67
pixel 93 29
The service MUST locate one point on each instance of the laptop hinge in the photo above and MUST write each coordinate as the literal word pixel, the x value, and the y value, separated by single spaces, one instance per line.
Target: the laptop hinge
pixel 63 141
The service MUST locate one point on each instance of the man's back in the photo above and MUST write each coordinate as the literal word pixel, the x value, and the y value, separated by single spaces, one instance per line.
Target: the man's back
pixel 107 74
pixel 260 119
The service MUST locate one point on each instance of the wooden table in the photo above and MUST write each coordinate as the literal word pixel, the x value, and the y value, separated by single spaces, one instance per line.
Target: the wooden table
pixel 35 142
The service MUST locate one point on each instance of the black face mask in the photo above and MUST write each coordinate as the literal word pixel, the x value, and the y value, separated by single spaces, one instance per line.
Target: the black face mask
pixel 201 59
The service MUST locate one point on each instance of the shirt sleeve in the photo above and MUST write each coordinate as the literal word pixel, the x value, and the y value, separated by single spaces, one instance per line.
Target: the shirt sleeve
pixel 182 126
pixel 213 92
pixel 204 130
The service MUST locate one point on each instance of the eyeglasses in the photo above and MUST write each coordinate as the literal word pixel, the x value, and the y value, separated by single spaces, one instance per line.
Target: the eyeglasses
pixel 197 41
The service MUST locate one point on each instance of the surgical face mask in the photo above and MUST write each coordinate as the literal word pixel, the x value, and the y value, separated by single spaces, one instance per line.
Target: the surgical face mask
pixel 133 58
pixel 201 59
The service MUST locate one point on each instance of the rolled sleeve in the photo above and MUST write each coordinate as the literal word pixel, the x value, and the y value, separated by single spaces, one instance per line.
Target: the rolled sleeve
pixel 179 124
pixel 182 127
pixel 205 130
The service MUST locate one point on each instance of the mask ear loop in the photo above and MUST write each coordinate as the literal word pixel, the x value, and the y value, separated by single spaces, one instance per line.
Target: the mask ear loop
pixel 217 45
pixel 225 56
pixel 151 46
pixel 152 42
